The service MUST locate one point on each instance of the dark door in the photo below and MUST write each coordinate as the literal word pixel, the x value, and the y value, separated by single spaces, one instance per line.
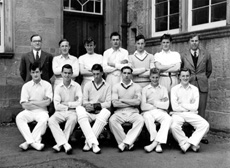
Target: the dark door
pixel 78 27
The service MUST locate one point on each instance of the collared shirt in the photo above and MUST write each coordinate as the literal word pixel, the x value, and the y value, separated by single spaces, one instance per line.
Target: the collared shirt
pixel 114 56
pixel 87 61
pixel 197 52
pixel 59 61
pixel 35 53
pixel 71 94
pixel 97 94
pixel 36 91
pixel 185 99
pixel 167 58
pixel 126 86
pixel 151 98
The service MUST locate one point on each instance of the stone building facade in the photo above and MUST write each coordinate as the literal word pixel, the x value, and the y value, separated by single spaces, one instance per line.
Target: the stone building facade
pixel 22 18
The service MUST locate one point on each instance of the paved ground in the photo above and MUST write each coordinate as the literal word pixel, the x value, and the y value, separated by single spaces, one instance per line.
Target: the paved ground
pixel 214 155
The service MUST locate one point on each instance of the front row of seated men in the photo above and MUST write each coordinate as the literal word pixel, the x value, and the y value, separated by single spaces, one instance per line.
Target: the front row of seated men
pixel 72 107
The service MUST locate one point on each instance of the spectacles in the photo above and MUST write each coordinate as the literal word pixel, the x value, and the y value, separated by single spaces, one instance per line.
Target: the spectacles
pixel 37 41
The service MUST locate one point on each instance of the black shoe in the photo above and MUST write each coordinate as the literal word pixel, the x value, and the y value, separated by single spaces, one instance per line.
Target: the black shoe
pixel 204 141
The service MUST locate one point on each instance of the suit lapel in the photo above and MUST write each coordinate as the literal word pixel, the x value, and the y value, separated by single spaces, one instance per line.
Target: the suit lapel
pixel 31 57
pixel 200 57
pixel 189 59
pixel 42 58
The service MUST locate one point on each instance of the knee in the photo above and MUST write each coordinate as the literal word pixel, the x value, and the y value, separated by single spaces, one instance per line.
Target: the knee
pixel 112 120
pixel 52 121
pixel 146 115
pixel 81 112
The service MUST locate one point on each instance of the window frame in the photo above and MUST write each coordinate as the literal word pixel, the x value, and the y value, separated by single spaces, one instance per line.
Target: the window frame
pixel 2 26
pixel 160 33
pixel 205 25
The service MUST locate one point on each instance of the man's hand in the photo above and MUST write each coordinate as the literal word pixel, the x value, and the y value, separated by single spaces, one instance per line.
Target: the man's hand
pixel 89 107
pixel 192 101
pixel 164 99
pixel 76 98
pixel 65 103
pixel 111 64
pixel 124 62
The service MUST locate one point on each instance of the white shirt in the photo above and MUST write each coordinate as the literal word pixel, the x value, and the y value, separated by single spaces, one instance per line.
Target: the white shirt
pixel 114 56
pixel 35 53
pixel 197 52
pixel 59 61
pixel 167 58
pixel 36 92
pixel 185 99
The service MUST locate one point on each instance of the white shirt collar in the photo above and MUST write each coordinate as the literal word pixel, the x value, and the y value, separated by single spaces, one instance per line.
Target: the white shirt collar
pixel 35 53
pixel 197 52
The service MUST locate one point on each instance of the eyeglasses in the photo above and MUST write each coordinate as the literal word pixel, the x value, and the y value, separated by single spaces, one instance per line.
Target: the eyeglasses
pixel 37 41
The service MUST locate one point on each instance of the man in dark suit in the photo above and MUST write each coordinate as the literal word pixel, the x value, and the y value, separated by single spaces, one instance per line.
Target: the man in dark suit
pixel 36 55
pixel 200 63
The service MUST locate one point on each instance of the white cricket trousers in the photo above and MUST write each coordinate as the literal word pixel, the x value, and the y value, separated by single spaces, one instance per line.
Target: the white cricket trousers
pixel 120 117
pixel 25 117
pixel 84 119
pixel 200 125
pixel 62 136
pixel 161 117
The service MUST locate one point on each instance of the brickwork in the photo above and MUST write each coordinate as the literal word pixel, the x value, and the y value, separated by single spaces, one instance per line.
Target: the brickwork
pixel 30 17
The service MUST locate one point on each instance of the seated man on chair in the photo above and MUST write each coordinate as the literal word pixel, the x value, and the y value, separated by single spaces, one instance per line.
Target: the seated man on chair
pixel 36 95
pixel 154 104
pixel 67 97
pixel 96 102
pixel 126 97
pixel 185 100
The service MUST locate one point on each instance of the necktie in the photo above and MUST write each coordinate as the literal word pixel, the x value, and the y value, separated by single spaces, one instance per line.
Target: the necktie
pixel 37 57
pixel 195 54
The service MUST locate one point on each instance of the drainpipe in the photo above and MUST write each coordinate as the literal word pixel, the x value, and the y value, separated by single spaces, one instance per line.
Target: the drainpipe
pixel 124 24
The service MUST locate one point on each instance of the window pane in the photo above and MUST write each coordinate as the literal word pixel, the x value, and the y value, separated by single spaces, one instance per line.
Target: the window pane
pixel 196 16
pixel 66 3
pixel 88 7
pixel 218 12
pixel 162 9
pixel 161 24
pixel 199 3
pixel 174 6
pixel 98 7
pixel 174 21
pixel 217 1
pixel 75 5
pixel 158 1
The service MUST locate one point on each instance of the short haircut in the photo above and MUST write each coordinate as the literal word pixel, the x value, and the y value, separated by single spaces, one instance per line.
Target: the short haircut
pixel 194 35
pixel 67 66
pixel 139 37
pixel 31 38
pixel 126 67
pixel 62 40
pixel 34 66
pixel 166 36
pixel 185 70
pixel 97 67
pixel 89 40
pixel 115 34
pixel 154 71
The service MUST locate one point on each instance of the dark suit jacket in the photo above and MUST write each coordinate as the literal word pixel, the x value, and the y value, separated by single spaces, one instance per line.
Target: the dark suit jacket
pixel 46 66
pixel 200 75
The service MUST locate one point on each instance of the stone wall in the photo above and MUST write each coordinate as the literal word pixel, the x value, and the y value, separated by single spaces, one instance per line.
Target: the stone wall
pixel 29 17
pixel 218 107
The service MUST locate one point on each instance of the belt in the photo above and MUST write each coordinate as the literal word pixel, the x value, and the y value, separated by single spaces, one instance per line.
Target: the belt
pixel 71 108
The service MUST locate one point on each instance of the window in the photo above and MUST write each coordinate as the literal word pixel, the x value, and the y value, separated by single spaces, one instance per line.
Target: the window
pixel 213 14
pixel 84 6
pixel 165 17
pixel 1 27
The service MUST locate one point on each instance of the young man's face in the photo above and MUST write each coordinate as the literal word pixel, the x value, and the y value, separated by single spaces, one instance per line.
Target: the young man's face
pixel 64 48
pixel 140 45
pixel 165 44
pixel 154 78
pixel 90 47
pixel 115 41
pixel 36 43
pixel 67 74
pixel 194 43
pixel 184 77
pixel 36 75
pixel 97 74
pixel 126 75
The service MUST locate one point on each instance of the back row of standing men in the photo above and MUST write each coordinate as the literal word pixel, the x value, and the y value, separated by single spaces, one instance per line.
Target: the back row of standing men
pixel 123 95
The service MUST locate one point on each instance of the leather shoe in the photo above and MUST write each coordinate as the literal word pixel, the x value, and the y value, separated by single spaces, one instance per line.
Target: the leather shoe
pixel 204 141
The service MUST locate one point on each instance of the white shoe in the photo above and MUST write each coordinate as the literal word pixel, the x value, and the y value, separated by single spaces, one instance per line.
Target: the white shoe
pixel 57 148
pixel 150 147
pixel 131 146
pixel 68 148
pixel 86 147
pixel 96 149
pixel 158 149
pixel 37 146
pixel 121 147
pixel 195 148
pixel 24 146
pixel 185 147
